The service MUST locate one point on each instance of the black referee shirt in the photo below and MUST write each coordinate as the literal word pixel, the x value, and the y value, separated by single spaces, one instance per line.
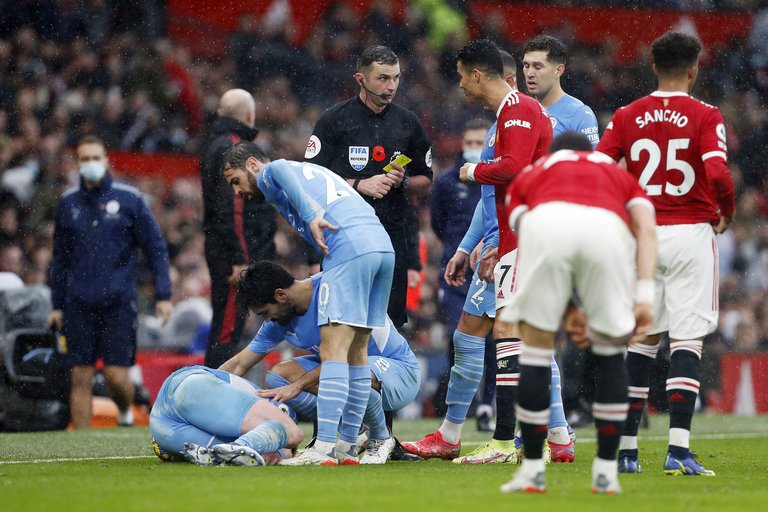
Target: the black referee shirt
pixel 355 142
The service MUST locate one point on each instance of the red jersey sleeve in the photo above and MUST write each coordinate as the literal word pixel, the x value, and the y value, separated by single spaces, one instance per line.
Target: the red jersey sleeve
pixel 715 158
pixel 518 130
pixel 516 202
pixel 610 143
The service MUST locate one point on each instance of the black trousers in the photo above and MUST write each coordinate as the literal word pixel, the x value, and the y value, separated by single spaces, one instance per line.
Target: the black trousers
pixel 227 322
pixel 397 295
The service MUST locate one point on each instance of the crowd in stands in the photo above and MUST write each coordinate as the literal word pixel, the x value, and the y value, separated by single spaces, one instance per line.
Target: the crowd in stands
pixel 72 68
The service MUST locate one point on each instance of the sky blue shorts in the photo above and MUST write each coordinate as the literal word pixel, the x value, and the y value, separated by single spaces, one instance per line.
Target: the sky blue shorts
pixel 399 382
pixel 196 406
pixel 356 292
pixel 481 297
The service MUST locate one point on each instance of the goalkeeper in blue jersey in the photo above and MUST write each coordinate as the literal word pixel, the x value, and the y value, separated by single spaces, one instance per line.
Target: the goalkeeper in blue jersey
pixel 290 311
pixel 211 417
pixel 354 288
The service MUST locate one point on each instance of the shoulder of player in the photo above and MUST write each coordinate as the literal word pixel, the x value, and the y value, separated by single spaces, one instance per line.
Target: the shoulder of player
pixel 573 107
pixel 128 191
pixel 404 113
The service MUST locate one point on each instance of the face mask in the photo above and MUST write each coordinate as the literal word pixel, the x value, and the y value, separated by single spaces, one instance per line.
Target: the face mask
pixel 93 170
pixel 472 155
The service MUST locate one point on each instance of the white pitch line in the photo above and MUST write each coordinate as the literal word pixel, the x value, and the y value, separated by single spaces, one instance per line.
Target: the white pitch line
pixel 76 459
pixel 735 435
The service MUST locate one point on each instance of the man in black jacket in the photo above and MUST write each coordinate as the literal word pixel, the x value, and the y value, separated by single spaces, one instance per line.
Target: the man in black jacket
pixel 236 232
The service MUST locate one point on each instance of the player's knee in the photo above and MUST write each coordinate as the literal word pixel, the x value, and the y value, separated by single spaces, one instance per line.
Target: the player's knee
pixel 295 434
pixel 275 379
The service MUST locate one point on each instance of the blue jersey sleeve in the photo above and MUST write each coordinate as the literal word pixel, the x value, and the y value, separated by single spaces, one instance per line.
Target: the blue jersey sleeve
pixel 279 175
pixel 586 123
pixel 490 219
pixel 475 232
pixel 269 336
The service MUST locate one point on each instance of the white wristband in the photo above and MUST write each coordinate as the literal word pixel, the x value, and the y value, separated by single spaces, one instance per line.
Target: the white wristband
pixel 645 291
pixel 471 172
pixel 461 249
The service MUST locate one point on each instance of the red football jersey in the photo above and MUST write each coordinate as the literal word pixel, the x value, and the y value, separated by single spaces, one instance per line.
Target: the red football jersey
pixel 587 178
pixel 675 146
pixel 523 134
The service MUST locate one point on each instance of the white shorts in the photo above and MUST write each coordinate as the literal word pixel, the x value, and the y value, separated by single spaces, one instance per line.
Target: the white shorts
pixel 565 246
pixel 504 279
pixel 686 281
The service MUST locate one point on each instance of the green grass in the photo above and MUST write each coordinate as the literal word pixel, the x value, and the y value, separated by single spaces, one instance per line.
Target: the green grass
pixel 123 475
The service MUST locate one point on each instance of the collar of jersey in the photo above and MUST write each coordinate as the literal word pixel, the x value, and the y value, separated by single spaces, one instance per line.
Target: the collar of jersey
pixel 668 94
pixel 371 112
pixel 498 111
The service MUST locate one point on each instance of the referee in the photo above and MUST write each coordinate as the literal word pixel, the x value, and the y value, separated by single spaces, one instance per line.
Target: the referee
pixel 358 137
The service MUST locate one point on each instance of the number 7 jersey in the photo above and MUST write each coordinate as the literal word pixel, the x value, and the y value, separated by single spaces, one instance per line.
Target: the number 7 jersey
pixel 675 146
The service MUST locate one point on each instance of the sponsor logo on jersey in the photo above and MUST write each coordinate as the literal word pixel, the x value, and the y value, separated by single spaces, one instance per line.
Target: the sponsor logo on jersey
pixel 517 122
pixel 313 147
pixel 358 157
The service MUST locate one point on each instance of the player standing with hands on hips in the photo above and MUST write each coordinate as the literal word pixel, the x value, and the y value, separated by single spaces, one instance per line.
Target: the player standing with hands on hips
pixel 675 146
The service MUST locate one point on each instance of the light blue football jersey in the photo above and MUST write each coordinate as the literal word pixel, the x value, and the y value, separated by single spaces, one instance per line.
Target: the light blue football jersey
pixel 304 333
pixel 302 191
pixel 570 114
pixel 485 224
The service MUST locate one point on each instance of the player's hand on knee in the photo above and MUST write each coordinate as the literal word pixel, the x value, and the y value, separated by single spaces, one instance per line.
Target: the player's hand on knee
pixel 575 323
pixel 316 227
pixel 281 394
pixel 643 322
pixel 455 270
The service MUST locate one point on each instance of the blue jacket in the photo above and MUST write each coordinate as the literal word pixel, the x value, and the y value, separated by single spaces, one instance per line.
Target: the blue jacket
pixel 94 246
pixel 452 204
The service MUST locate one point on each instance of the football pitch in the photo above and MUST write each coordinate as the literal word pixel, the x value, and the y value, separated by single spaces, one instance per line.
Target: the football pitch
pixel 115 470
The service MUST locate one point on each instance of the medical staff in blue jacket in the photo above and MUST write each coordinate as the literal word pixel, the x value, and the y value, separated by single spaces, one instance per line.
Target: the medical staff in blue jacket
pixel 99 227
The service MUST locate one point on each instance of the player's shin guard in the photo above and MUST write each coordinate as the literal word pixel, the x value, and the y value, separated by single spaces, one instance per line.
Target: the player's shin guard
pixel 374 417
pixel 638 363
pixel 556 411
pixel 304 403
pixel 332 395
pixel 682 390
pixel 266 438
pixel 533 398
pixel 610 406
pixel 507 377
pixel 357 402
pixel 466 373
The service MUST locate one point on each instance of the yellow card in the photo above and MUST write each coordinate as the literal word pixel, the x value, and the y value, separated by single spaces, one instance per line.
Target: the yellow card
pixel 400 160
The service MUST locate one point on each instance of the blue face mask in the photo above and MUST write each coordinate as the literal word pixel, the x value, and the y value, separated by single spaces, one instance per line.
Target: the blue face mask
pixel 93 171
pixel 472 155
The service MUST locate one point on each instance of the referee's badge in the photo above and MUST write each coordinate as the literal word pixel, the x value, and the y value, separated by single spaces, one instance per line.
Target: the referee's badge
pixel 358 157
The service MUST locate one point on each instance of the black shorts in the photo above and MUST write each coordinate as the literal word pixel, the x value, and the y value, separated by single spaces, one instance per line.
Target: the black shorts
pixel 107 332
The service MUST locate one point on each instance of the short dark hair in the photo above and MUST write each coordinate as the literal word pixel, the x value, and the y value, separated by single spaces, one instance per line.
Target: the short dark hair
pixel 556 50
pixel 571 140
pixel 675 52
pixel 91 139
pixel 508 61
pixel 377 53
pixel 476 124
pixel 258 283
pixel 481 54
pixel 238 154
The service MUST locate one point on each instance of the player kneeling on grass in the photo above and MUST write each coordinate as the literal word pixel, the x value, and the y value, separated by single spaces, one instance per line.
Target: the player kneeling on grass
pixel 211 417
pixel 290 310
pixel 576 213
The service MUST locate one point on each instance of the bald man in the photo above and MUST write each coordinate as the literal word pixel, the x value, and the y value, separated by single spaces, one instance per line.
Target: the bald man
pixel 236 233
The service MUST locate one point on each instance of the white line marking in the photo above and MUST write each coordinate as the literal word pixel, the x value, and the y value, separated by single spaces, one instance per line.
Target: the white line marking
pixel 76 459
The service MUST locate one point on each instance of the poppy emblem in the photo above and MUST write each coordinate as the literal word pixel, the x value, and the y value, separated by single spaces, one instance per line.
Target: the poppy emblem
pixel 379 154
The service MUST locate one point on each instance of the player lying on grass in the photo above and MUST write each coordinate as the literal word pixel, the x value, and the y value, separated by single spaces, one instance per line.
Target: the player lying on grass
pixel 290 309
pixel 211 417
